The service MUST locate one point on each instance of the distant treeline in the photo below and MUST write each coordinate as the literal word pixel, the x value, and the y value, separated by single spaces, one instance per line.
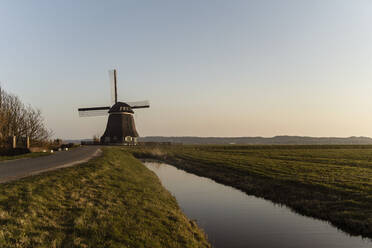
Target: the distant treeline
pixel 20 120
pixel 277 140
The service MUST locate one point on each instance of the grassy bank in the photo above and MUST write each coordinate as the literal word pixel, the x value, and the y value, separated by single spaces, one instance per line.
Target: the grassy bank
pixel 112 201
pixel 333 183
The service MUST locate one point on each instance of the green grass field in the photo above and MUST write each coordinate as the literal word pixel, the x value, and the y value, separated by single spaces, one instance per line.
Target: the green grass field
pixel 333 183
pixel 112 201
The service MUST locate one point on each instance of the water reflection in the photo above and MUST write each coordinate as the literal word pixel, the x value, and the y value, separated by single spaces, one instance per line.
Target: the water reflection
pixel 233 219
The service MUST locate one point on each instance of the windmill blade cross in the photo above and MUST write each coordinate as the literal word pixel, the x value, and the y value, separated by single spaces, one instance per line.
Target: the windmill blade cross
pixel 120 128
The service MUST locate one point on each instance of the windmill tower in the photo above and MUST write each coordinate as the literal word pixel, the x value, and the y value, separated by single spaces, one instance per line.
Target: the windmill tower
pixel 120 125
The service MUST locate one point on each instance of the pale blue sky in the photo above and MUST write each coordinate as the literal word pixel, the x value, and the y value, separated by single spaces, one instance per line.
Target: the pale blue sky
pixel 209 68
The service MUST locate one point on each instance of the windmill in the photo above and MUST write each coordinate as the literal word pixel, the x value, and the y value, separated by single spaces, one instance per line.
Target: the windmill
pixel 120 125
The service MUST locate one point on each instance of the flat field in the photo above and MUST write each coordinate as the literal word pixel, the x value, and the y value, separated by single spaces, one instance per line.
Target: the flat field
pixel 111 201
pixel 332 183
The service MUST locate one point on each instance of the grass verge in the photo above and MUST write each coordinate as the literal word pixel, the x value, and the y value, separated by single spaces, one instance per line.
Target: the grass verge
pixel 111 201
pixel 332 183
pixel 27 155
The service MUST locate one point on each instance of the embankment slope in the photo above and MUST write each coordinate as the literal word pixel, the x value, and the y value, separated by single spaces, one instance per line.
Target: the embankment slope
pixel 111 201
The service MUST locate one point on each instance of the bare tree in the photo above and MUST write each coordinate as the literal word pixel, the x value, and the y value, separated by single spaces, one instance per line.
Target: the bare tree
pixel 20 120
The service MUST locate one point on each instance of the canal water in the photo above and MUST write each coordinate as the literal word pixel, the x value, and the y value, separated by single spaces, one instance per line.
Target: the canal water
pixel 233 219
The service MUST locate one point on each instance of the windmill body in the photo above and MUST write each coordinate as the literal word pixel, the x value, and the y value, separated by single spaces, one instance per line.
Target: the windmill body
pixel 120 125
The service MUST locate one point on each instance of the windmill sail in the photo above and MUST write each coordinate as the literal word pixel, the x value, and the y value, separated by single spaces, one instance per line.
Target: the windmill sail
pixel 97 111
pixel 113 87
pixel 139 104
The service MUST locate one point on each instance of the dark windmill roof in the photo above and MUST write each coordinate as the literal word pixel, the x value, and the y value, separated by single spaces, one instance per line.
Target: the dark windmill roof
pixel 121 107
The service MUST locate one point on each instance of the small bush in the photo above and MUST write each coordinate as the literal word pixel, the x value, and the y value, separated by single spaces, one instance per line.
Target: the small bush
pixel 14 152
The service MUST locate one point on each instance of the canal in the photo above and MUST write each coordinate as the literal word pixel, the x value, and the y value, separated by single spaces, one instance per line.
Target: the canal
pixel 231 218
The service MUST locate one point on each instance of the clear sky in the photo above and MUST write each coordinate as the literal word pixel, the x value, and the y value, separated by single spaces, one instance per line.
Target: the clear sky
pixel 209 68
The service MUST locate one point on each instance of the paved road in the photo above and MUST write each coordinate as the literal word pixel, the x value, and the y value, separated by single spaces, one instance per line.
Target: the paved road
pixel 14 169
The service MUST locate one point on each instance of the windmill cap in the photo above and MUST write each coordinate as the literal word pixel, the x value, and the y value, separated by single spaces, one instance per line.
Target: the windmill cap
pixel 121 107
